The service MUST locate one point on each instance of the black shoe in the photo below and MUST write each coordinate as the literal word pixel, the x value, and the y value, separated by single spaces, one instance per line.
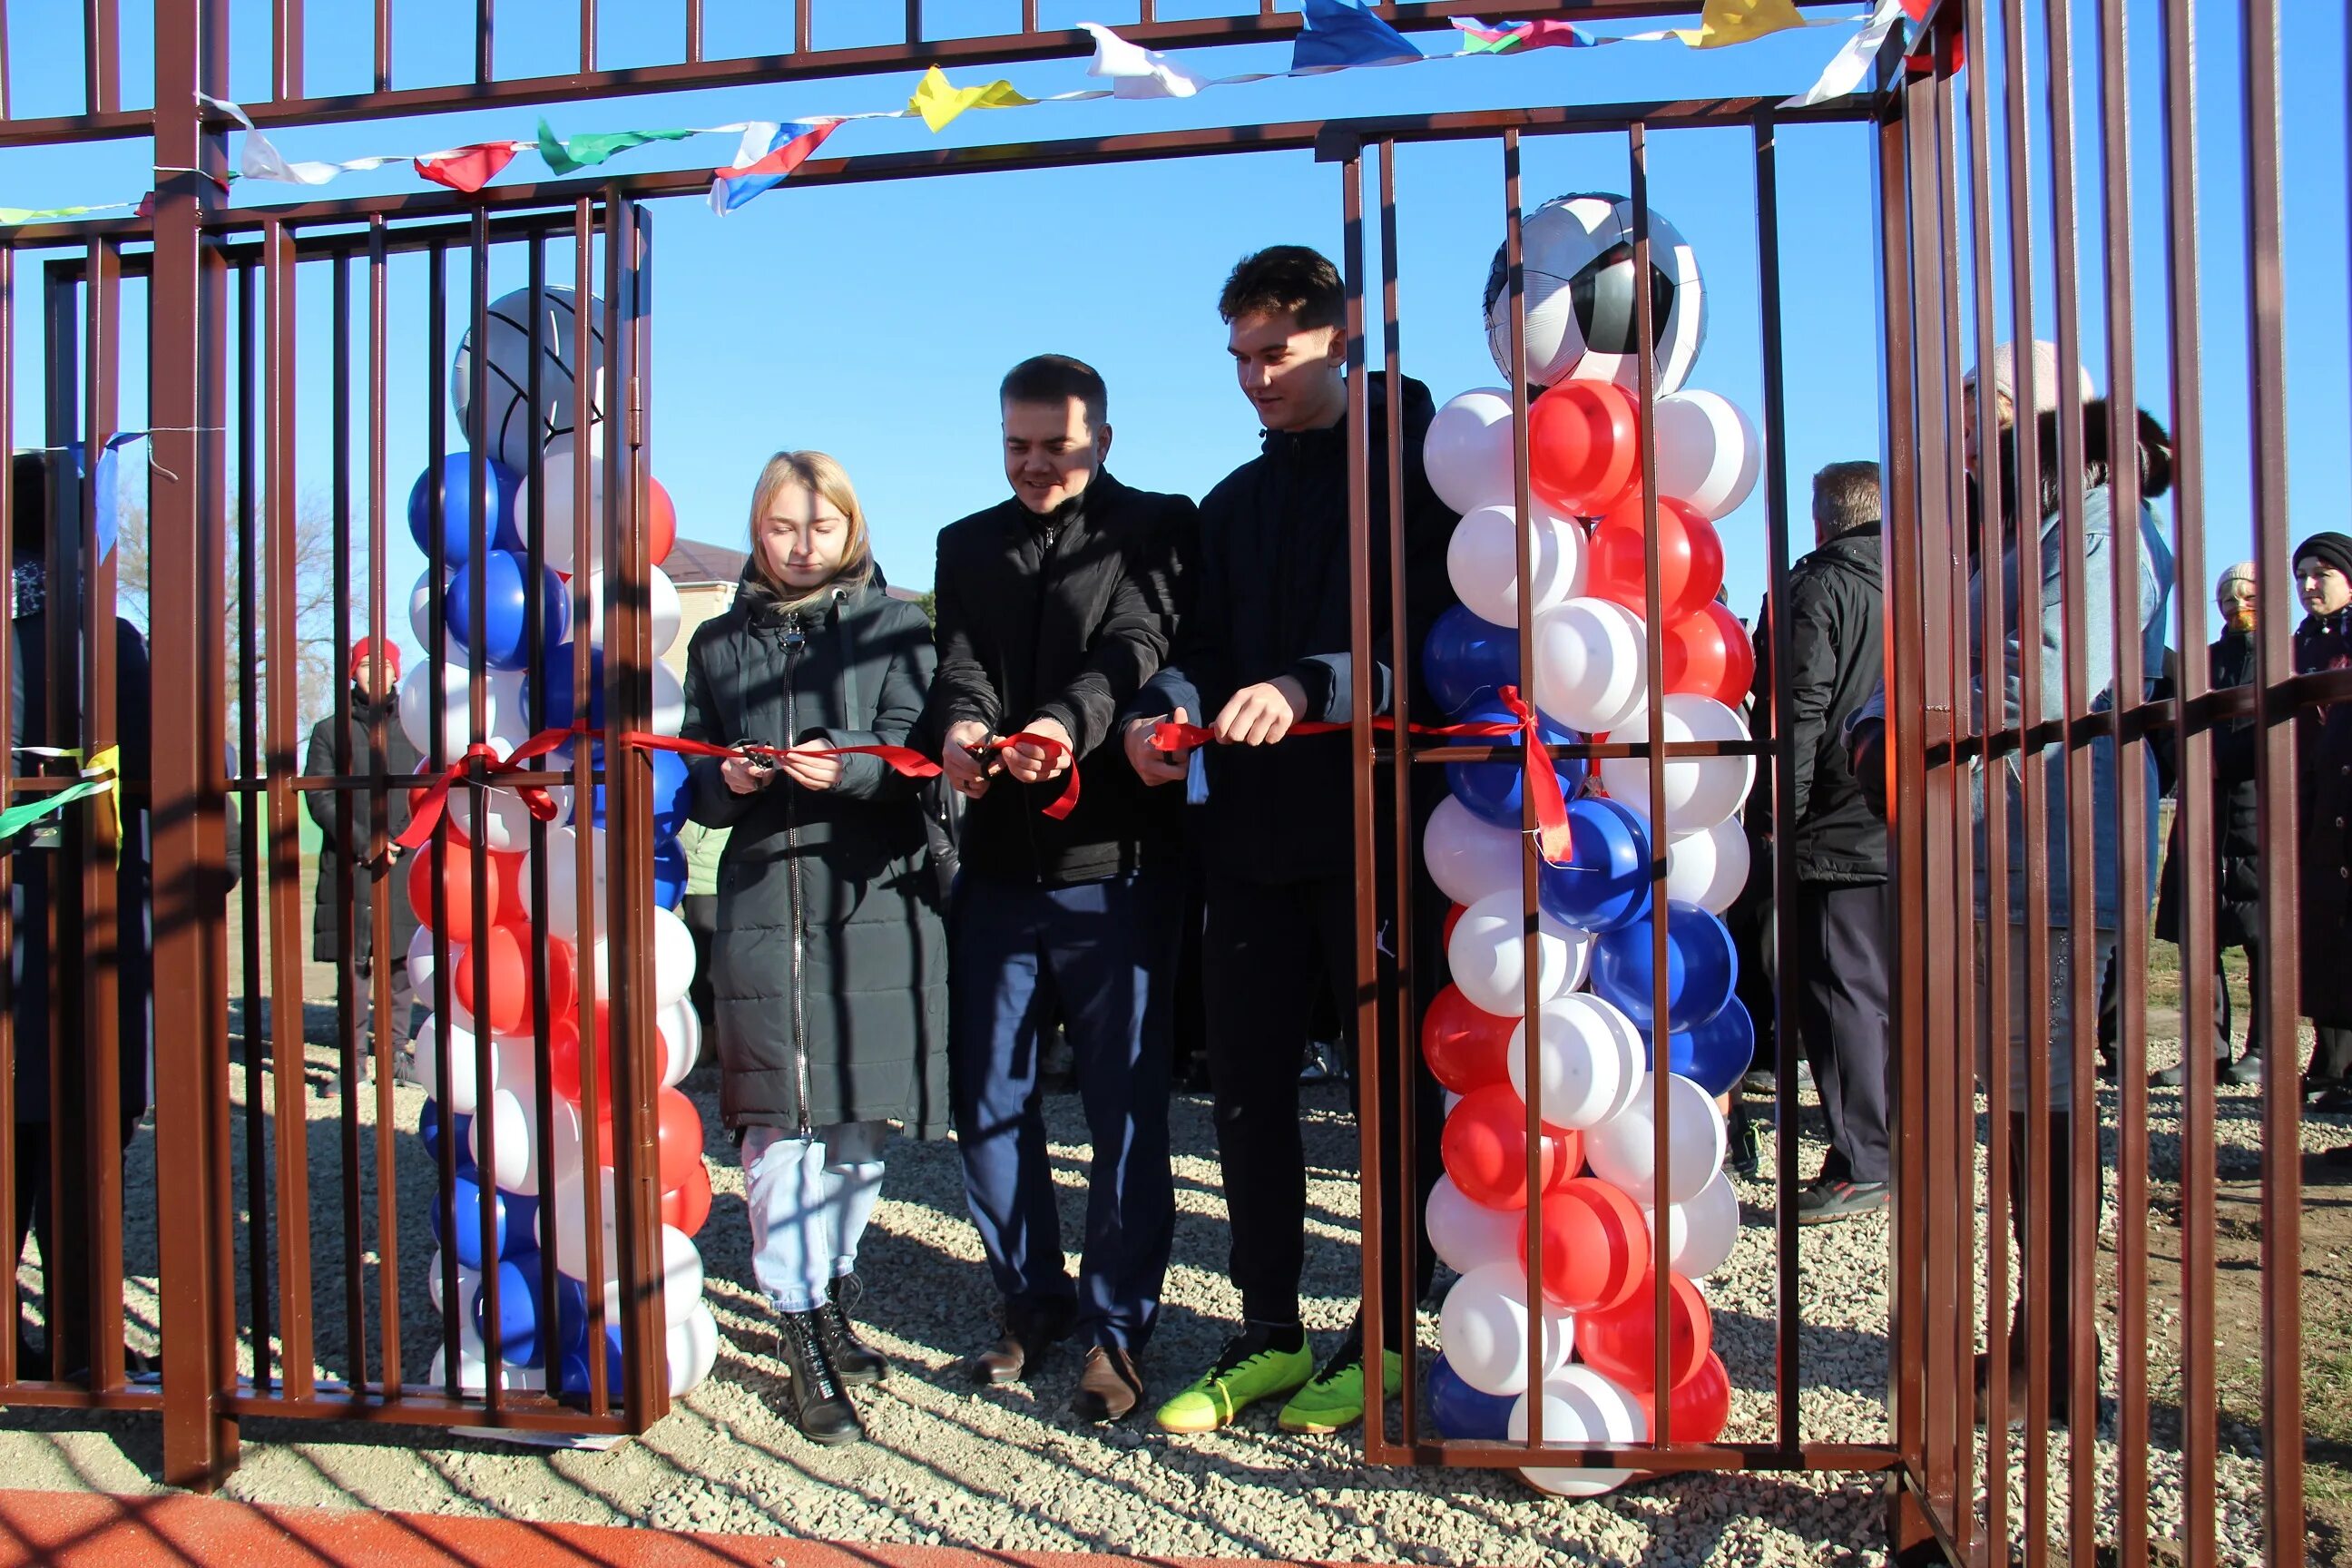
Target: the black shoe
pixel 820 1407
pixel 2334 1101
pixel 2175 1075
pixel 2246 1070
pixel 1829 1199
pixel 858 1365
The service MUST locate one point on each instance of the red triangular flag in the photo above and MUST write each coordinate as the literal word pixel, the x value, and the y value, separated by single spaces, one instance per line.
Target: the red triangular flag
pixel 469 169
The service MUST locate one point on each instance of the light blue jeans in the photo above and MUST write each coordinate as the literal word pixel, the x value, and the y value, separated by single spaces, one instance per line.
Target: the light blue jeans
pixel 810 1199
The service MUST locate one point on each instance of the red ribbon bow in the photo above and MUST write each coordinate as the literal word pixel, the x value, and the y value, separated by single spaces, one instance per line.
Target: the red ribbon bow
pixel 425 814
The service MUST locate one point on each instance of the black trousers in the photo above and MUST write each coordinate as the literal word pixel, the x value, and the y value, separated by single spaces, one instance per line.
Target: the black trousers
pixel 2111 1005
pixel 1843 941
pixel 65 1247
pixel 1269 952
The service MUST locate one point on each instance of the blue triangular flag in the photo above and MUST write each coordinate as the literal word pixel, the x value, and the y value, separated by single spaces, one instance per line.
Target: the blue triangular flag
pixel 1337 33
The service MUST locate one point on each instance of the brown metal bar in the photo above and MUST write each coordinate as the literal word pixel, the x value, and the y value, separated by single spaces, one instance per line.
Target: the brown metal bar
pixel 694 32
pixel 388 888
pixel 534 639
pixel 346 988
pixel 259 1241
pixel 63 1284
pixel 429 1407
pixel 101 43
pixel 484 73
pixel 2275 1005
pixel 478 950
pixel 9 1370
pixel 383 47
pixel 286 49
pixel 588 36
pixel 589 919
pixel 1645 357
pixel 801 26
pixel 436 753
pixel 285 891
pixel 100 932
pixel 196 1271
pixel 7 101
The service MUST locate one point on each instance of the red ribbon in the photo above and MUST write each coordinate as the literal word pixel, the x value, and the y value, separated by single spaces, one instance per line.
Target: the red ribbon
pixel 904 761
pixel 1551 812
pixel 425 814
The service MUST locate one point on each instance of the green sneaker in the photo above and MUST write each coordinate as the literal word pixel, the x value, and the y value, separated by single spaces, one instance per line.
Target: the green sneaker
pixel 1250 1369
pixel 1333 1399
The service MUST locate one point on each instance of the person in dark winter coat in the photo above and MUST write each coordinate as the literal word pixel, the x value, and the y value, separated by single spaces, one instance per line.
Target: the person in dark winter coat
pixel 1842 918
pixel 828 970
pixel 2237 884
pixel 1054 606
pixel 2323 575
pixel 1263 646
pixel 347 830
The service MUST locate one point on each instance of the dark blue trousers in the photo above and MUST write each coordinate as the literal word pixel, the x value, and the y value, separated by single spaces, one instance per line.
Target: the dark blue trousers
pixel 1100 957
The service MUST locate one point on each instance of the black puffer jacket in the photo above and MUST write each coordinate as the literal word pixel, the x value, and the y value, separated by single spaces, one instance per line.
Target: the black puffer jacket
pixel 2324 760
pixel 1268 595
pixel 2237 847
pixel 1062 617
pixel 347 824
pixel 1836 609
pixel 845 869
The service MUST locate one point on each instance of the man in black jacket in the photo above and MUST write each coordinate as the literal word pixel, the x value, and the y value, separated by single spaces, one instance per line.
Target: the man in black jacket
pixel 1265 646
pixel 1054 608
pixel 347 833
pixel 1836 605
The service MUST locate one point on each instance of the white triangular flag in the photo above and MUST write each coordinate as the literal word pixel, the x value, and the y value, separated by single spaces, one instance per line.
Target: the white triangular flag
pixel 1845 72
pixel 1135 71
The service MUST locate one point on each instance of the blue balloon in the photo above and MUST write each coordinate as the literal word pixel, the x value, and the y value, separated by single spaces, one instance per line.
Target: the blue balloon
pixel 428 1130
pixel 515 1337
pixel 673 794
pixel 571 1335
pixel 506 622
pixel 456 485
pixel 1606 883
pixel 1715 1055
pixel 1461 1412
pixel 1701 965
pixel 1464 660
pixel 670 874
pixel 563 704
pixel 1491 790
pixel 469 1245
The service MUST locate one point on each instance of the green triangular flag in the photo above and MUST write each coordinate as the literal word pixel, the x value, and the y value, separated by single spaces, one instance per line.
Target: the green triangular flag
pixel 585 152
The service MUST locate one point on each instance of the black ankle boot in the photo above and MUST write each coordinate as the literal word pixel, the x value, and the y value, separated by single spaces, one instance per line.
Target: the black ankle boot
pixel 857 1364
pixel 820 1407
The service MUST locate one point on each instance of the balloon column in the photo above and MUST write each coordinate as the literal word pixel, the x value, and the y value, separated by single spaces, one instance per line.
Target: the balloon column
pixel 1593 1082
pixel 493 976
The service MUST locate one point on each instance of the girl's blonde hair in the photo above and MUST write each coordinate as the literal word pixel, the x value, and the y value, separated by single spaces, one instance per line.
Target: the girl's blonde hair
pixel 823 477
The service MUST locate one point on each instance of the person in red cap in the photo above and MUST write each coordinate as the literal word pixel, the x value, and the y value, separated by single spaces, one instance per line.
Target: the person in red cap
pixel 340 744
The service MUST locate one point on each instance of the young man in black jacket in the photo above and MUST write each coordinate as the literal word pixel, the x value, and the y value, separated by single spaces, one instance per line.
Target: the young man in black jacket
pixel 1841 920
pixel 1264 646
pixel 1054 608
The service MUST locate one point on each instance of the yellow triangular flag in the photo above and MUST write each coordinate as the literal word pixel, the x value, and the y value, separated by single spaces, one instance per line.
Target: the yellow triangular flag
pixel 938 101
pixel 1722 21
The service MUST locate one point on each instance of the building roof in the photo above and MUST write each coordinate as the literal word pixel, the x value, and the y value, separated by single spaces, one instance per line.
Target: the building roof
pixel 692 561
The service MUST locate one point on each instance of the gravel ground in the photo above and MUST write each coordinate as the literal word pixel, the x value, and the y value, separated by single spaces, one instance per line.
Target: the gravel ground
pixel 1007 1468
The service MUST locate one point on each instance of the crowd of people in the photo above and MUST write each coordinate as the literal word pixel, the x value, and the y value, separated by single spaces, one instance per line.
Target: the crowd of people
pixel 884 952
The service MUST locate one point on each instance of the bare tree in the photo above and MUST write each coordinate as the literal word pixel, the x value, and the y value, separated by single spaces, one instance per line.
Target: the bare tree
pixel 318 663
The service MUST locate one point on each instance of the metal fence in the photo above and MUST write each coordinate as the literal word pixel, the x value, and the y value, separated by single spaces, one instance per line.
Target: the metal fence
pixel 225 377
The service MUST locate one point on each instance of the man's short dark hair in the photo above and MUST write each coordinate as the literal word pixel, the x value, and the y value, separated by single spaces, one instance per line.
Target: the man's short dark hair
pixel 1845 496
pixel 1052 378
pixel 1285 278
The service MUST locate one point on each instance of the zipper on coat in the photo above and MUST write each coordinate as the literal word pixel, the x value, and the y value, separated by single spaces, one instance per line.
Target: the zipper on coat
pixel 795 643
pixel 1046 556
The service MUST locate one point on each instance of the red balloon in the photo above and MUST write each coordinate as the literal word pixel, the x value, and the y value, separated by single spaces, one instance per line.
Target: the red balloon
pixel 1584 447
pixel 1690 559
pixel 1621 1343
pixel 1700 1408
pixel 661 522
pixel 1595 1246
pixel 457 888
pixel 677 1138
pixel 688 1205
pixel 564 1062
pixel 1452 918
pixel 1464 1046
pixel 508 1008
pixel 1709 654
pixel 1484 1148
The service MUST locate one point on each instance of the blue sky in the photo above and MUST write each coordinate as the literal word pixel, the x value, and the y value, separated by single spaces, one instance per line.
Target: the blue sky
pixel 872 321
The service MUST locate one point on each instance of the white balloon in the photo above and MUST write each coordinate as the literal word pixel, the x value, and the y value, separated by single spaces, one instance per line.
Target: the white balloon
pixel 673 958
pixel 1587 1061
pixel 1488 963
pixel 681 1033
pixel 692 1349
pixel 515 1117
pixel 557 498
pixel 681 1279
pixel 421 622
pixel 1580 1409
pixel 1469 858
pixel 465 1092
pixel 420 960
pixel 1700 790
pixel 669 712
pixel 474 1373
pixel 455 718
pixel 1483 561
pixel 1467 452
pixel 1708 868
pixel 661 606
pixel 518 1063
pixel 1709 454
pixel 508 818
pixel 1483 1328
pixel 1622 1150
pixel 1704 1230
pixel 564 1224
pixel 468 1282
pixel 563 913
pixel 1468 1235
pixel 1590 672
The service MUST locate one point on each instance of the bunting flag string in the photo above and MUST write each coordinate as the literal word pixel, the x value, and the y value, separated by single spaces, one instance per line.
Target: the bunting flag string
pixel 1335 34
